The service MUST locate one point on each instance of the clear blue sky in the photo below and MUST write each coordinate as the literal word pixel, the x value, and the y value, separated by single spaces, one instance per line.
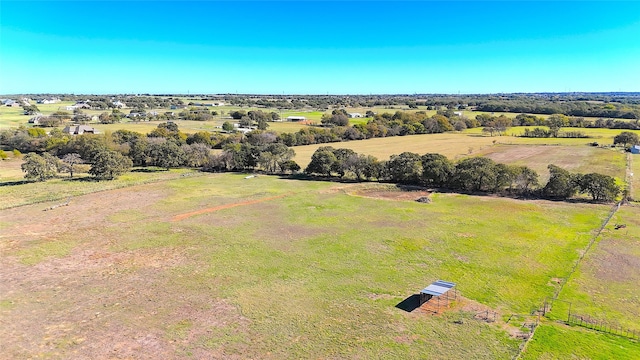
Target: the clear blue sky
pixel 305 47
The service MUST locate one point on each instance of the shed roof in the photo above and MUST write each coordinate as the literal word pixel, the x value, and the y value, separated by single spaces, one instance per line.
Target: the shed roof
pixel 438 288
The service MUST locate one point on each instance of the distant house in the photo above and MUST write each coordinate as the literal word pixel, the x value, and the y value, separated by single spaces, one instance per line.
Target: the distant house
pixel 457 113
pixel 296 118
pixel 175 107
pixel 355 115
pixel 10 103
pixel 635 149
pixel 70 107
pixel 79 130
pixel 36 119
pixel 48 101
pixel 119 104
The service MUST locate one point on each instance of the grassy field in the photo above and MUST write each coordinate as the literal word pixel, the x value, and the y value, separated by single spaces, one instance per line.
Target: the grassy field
pixel 16 191
pixel 605 285
pixel 276 269
pixel 583 159
pixel 573 154
pixel 557 341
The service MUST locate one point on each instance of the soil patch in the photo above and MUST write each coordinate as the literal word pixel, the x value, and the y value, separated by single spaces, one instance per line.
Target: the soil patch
pixel 225 206
pixel 393 193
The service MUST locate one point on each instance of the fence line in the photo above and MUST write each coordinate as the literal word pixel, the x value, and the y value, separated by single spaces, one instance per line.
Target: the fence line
pixel 603 326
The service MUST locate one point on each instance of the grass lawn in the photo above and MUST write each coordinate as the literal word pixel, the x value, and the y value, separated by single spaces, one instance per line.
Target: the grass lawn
pixel 313 271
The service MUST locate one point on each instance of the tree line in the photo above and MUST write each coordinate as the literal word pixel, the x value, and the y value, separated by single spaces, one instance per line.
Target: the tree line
pixel 475 174
pixel 109 156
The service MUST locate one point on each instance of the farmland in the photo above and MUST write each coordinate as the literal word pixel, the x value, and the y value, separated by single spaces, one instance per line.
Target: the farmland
pixel 313 270
pixel 185 264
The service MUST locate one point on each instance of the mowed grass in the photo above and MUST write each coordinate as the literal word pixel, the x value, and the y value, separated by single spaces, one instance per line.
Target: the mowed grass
pixel 314 273
pixel 557 341
pixel 606 285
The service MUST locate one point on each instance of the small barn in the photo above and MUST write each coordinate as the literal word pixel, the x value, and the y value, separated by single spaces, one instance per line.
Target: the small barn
pixel 437 290
pixel 635 149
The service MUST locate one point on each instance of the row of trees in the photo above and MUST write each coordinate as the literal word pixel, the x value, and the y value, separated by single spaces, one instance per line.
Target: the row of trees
pixel 476 174
pixel 104 165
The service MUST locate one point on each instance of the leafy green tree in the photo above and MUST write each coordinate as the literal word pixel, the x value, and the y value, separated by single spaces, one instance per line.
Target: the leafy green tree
pixel 39 167
pixel 166 154
pixel 30 109
pixel 322 161
pixel 238 114
pixel 557 121
pixel 626 138
pixel 475 174
pixel 561 185
pixel 273 155
pixel 600 187
pixel 436 169
pixel 405 168
pixel 108 165
pixel 290 166
pixel 227 126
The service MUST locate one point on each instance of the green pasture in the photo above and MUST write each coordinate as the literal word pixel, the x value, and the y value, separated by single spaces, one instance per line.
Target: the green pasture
pixel 607 282
pixel 558 341
pixel 17 191
pixel 313 272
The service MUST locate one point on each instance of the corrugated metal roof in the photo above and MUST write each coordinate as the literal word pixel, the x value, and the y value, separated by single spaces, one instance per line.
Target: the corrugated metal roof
pixel 438 288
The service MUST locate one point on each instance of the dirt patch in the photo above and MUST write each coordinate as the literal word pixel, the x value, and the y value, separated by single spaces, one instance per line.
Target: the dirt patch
pixel 225 206
pixel 393 193
pixel 613 263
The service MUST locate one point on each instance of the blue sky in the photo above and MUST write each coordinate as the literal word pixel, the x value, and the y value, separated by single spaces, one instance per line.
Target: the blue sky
pixel 318 47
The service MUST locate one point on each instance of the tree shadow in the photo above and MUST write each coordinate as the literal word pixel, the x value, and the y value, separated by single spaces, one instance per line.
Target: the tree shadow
pixel 149 170
pixel 410 303
pixel 82 179
pixel 17 182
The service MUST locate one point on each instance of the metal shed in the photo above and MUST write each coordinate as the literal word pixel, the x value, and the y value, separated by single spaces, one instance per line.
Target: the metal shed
pixel 437 289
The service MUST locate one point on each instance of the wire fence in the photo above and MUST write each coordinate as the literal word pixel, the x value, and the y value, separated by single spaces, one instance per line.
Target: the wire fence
pixel 602 326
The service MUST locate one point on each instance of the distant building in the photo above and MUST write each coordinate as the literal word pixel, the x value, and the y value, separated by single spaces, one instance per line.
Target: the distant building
pixel 296 118
pixel 79 130
pixel 354 115
pixel 635 149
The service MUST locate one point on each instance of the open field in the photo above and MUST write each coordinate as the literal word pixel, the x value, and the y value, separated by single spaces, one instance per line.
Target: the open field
pixel 583 159
pixel 572 154
pixel 557 341
pixel 283 269
pixel 606 285
pixel 16 191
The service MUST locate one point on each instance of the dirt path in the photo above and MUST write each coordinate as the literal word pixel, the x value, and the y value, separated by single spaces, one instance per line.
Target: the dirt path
pixel 222 207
